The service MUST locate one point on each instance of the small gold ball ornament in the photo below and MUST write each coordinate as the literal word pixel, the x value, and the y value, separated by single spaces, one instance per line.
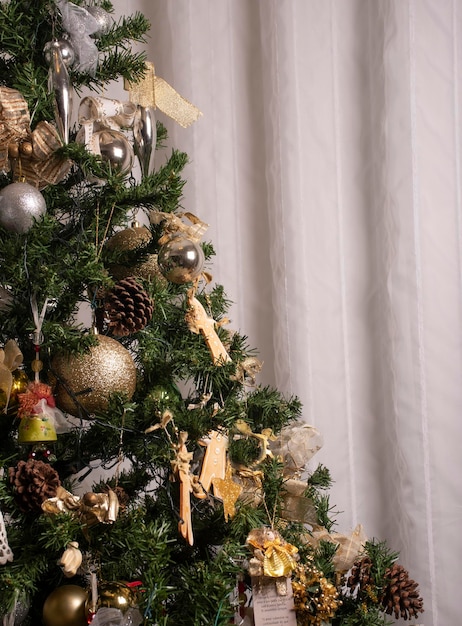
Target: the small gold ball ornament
pixel 116 595
pixel 128 240
pixel 92 377
pixel 65 606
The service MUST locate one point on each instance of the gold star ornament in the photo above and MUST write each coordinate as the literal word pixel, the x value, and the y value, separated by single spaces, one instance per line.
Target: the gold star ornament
pixel 229 492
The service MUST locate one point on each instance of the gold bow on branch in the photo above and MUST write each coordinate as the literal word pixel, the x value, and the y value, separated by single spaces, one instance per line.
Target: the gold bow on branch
pixel 10 360
pixel 152 91
pixel 174 225
pixel 30 153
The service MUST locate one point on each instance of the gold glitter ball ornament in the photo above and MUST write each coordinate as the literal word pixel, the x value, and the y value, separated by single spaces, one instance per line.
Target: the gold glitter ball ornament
pixel 128 240
pixel 92 377
pixel 65 606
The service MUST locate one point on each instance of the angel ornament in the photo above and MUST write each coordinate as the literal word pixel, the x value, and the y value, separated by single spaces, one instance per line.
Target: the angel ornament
pixel 188 483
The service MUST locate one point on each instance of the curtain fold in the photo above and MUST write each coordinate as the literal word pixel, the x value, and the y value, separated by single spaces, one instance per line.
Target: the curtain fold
pixel 328 165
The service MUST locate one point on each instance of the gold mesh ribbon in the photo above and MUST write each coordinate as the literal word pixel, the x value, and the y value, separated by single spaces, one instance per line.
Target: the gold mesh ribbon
pixel 10 360
pixel 39 165
pixel 152 91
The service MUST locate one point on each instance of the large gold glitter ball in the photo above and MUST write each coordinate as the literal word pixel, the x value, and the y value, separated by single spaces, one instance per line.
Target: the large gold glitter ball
pixel 92 377
pixel 65 606
pixel 128 240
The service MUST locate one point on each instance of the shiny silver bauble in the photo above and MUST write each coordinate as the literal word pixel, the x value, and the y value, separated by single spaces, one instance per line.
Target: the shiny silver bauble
pixel 115 148
pixel 20 205
pixel 181 260
pixel 145 137
pixel 64 47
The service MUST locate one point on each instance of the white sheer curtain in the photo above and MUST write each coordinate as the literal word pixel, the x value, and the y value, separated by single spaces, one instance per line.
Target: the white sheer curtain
pixel 328 165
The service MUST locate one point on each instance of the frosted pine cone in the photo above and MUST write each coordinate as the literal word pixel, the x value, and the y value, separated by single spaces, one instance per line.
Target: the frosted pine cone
pixel 401 595
pixel 128 306
pixel 33 482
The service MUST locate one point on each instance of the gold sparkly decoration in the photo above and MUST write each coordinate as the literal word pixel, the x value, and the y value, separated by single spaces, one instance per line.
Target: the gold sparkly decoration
pixel 129 240
pixel 316 599
pixel 65 606
pixel 89 379
pixel 152 91
pixel 229 490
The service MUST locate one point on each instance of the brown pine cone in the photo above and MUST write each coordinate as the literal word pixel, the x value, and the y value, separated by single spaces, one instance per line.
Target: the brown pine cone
pixel 128 306
pixel 33 482
pixel 401 595
pixel 360 574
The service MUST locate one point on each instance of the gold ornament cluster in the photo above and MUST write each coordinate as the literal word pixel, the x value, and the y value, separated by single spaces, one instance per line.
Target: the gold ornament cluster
pixel 316 599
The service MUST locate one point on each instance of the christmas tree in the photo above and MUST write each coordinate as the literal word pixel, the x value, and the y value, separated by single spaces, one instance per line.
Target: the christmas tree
pixel 208 510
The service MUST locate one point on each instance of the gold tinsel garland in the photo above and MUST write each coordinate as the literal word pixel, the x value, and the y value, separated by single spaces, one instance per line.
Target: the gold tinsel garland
pixel 313 607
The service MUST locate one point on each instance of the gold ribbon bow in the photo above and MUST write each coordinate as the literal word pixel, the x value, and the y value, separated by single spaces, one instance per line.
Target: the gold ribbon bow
pixel 152 91
pixel 32 153
pixel 263 439
pixel 10 360
pixel 174 225
pixel 277 556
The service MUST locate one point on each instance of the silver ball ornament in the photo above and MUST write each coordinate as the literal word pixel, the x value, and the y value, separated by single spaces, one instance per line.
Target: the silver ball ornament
pixel 115 148
pixel 64 46
pixel 19 613
pixel 103 18
pixel 20 205
pixel 181 260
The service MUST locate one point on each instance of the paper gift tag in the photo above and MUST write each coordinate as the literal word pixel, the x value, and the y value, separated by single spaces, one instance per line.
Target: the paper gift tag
pixel 271 608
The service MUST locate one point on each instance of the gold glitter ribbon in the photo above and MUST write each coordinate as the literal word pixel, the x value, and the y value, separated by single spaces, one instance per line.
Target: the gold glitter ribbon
pixel 278 555
pixel 10 360
pixel 40 166
pixel 152 91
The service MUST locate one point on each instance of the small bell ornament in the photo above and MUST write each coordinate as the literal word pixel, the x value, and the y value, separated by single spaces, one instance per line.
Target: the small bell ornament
pixel 36 410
